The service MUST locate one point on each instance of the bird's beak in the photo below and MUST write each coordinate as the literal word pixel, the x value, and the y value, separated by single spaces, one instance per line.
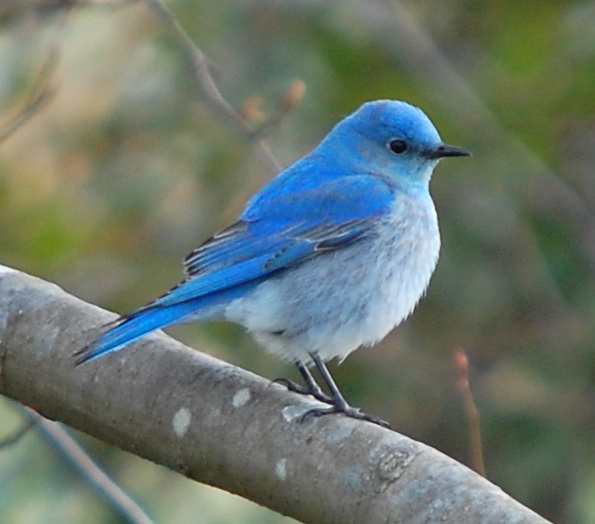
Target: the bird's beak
pixel 445 150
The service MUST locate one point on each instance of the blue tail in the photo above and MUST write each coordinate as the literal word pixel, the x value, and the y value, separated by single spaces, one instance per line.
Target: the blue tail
pixel 172 308
pixel 134 326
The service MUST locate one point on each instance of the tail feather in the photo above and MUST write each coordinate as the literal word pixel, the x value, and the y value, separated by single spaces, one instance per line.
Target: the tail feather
pixel 134 326
pixel 159 314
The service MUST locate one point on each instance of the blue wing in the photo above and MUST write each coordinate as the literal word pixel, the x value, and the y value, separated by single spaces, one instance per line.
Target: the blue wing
pixel 276 232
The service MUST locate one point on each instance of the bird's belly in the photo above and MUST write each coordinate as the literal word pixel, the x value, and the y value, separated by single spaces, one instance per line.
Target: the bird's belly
pixel 335 303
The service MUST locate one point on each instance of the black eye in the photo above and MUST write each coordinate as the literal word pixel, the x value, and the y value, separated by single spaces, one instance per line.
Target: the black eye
pixel 397 146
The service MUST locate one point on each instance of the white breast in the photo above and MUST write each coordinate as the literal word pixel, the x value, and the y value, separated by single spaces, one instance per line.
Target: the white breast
pixel 339 301
pixel 405 265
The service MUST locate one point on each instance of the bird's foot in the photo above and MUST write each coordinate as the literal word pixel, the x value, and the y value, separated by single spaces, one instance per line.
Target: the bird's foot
pixel 312 390
pixel 348 411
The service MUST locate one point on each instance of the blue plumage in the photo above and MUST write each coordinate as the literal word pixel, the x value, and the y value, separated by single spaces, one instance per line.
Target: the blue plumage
pixel 330 255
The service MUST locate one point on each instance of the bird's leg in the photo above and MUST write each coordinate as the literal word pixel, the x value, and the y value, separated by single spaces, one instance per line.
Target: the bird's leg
pixel 311 387
pixel 339 404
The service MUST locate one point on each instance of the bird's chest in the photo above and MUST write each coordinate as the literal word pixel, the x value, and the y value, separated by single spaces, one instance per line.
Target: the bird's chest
pixel 403 259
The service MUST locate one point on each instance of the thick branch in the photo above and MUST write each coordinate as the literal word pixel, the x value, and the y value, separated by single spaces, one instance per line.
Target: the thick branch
pixel 226 427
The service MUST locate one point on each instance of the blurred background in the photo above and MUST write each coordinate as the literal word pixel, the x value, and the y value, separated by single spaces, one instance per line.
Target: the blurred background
pixel 125 170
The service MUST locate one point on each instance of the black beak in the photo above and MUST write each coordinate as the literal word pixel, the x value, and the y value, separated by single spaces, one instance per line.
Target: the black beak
pixel 445 150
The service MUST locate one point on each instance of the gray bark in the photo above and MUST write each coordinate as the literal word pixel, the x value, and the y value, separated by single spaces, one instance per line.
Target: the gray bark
pixel 226 427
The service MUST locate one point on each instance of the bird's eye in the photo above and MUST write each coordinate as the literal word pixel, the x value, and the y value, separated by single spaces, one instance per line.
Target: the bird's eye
pixel 397 146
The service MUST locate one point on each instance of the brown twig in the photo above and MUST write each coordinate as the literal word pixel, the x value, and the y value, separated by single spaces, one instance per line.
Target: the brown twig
pixel 31 108
pixel 291 98
pixel 462 367
pixel 205 81
pixel 41 91
pixel 74 454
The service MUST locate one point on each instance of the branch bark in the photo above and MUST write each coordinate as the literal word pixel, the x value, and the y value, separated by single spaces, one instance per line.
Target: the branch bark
pixel 226 427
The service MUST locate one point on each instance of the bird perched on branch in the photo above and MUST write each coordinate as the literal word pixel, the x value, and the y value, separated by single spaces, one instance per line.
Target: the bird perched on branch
pixel 331 255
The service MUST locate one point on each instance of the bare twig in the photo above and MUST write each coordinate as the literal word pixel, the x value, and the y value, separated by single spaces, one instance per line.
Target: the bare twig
pixel 31 108
pixel 41 91
pixel 291 98
pixel 205 81
pixel 74 454
pixel 462 367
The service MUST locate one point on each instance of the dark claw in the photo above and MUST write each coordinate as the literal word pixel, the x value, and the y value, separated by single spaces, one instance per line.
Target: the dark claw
pixel 318 394
pixel 337 403
pixel 347 411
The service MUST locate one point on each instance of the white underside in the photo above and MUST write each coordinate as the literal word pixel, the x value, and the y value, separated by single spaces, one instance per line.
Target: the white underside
pixel 341 300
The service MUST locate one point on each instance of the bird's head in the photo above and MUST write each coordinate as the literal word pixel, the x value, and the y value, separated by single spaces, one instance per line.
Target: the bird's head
pixel 391 138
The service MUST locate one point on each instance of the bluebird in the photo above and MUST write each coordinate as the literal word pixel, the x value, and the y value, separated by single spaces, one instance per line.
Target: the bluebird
pixel 330 256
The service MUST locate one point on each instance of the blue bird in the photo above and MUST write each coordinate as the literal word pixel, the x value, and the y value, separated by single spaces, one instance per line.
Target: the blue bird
pixel 331 255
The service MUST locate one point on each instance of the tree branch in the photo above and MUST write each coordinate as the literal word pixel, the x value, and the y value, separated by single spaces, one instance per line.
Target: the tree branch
pixel 226 427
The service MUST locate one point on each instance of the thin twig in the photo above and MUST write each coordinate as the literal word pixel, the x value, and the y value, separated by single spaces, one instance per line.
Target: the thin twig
pixel 291 98
pixel 62 442
pixel 462 367
pixel 204 79
pixel 31 108
pixel 41 91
